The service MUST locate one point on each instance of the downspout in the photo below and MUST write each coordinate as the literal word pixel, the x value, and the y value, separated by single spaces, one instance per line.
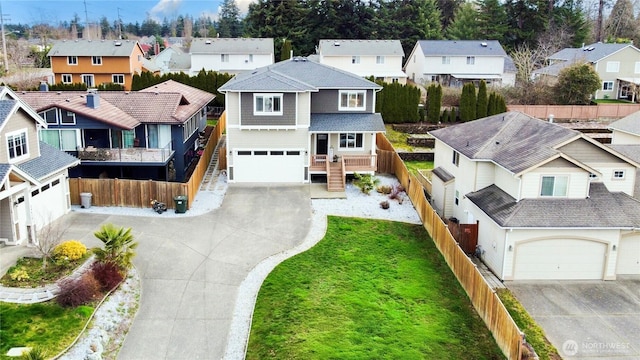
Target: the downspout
pixel 504 256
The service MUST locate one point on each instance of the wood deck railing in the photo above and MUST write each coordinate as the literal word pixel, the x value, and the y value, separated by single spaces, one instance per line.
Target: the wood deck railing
pixel 351 162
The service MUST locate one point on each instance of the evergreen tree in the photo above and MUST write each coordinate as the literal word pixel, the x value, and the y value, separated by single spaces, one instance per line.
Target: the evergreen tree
pixel 285 52
pixel 576 84
pixel 229 24
pixel 621 23
pixel 482 101
pixel 492 20
pixel 491 105
pixel 434 102
pixel 468 102
pixel 465 24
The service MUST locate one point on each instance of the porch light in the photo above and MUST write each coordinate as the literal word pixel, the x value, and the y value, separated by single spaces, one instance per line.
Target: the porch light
pixel 510 247
pixel 614 248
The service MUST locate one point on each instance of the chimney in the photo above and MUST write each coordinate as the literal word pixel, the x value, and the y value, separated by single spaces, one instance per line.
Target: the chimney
pixel 43 86
pixel 93 99
pixel 156 48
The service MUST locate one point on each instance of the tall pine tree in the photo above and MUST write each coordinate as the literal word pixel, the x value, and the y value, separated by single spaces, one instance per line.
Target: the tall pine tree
pixel 481 102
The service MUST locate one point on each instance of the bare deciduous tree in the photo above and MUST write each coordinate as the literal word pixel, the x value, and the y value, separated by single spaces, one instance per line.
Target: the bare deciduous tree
pixel 48 238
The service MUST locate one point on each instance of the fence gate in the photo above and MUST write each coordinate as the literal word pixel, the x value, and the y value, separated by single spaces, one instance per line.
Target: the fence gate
pixel 465 234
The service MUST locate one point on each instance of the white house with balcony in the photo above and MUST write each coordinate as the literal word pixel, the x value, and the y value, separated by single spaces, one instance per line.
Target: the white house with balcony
pixel 381 59
pixel 549 202
pixel 230 55
pixel 455 62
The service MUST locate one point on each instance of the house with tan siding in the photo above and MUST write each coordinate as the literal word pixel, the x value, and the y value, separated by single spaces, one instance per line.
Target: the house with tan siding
pixel 550 203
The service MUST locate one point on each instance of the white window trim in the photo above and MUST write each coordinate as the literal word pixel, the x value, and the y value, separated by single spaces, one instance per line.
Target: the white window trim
pixel 94 58
pixel 66 82
pixel 446 60
pixel 113 79
pixel 268 113
pixel 613 66
pixel 72 63
pixel 356 148
pixel 92 77
pixel 26 140
pixel 224 58
pixel 637 67
pixel 456 158
pixel 355 59
pixel 60 117
pixel 380 59
pixel 349 92
pixel 614 177
pixel 607 82
pixel 471 60
pixel 554 186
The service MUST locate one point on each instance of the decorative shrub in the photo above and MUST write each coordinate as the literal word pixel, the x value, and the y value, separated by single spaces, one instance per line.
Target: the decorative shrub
pixel 70 250
pixel 365 182
pixel 384 204
pixel 396 193
pixel 76 292
pixel 35 353
pixel 19 274
pixel 108 275
pixel 384 189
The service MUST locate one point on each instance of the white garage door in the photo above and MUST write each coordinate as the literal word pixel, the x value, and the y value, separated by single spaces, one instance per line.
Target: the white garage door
pixel 279 166
pixel 48 203
pixel 629 255
pixel 561 259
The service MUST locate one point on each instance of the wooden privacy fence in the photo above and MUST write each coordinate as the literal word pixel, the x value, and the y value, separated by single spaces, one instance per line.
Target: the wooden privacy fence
pixel 138 193
pixel 484 299
pixel 578 112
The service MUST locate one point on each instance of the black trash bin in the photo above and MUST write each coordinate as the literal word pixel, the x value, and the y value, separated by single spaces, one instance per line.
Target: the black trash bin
pixel 181 204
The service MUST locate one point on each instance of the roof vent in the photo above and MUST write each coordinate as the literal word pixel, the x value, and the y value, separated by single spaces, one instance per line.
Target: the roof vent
pixel 483 44
pixel 207 42
pixel 337 43
pixel 118 43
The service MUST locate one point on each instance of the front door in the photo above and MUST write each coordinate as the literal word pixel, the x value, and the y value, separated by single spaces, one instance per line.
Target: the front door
pixel 322 144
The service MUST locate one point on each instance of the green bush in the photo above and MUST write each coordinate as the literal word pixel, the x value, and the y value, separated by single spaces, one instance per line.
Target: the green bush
pixel 365 182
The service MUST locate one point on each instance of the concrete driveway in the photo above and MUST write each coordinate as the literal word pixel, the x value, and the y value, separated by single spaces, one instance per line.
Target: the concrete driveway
pixel 191 267
pixel 586 319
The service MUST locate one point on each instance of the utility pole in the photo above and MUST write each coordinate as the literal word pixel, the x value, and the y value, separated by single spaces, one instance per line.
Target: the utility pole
pixel 86 20
pixel 119 25
pixel 4 41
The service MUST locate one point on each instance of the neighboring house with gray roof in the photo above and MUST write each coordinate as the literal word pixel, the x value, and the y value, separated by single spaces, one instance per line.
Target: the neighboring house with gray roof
pixel 381 59
pixel 230 55
pixel 618 66
pixel 96 62
pixel 297 120
pixel 456 62
pixel 34 187
pixel 172 60
pixel 149 134
pixel 550 202
pixel 626 140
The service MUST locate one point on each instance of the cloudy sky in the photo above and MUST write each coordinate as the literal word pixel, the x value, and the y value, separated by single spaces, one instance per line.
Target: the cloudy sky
pixel 54 11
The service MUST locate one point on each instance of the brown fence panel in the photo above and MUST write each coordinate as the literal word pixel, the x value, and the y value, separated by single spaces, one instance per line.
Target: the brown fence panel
pixel 577 112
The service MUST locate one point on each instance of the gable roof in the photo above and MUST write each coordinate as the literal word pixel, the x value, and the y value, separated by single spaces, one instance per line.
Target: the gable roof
pixel 343 47
pixel 461 48
pixel 254 46
pixel 629 124
pixel 589 53
pixel 107 48
pixel 339 123
pixel 602 209
pixel 50 161
pixel 513 140
pixel 297 74
pixel 169 102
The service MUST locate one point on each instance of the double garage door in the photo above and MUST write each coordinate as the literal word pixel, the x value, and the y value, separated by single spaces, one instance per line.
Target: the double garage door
pixel 566 259
pixel 274 166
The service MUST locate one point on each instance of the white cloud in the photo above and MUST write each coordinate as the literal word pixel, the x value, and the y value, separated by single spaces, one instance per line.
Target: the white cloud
pixel 165 8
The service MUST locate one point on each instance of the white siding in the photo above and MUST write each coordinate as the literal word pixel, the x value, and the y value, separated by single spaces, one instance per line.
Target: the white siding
pixel 415 65
pixel 625 185
pixel 623 138
pixel 485 175
pixel 491 239
pixel 505 181
pixel 368 66
pixel 236 64
pixel 484 65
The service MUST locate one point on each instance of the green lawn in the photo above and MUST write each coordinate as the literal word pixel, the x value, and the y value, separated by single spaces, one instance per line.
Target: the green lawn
pixel 45 324
pixel 370 289
pixel 611 101
pixel 414 166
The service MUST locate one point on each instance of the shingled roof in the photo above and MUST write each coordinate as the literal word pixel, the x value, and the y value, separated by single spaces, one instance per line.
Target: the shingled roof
pixel 340 47
pixel 50 161
pixel 106 48
pixel 338 123
pixel 602 209
pixel 629 124
pixel 513 140
pixel 297 74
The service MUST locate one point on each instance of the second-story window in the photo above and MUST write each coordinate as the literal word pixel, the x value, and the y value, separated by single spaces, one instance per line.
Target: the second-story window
pixel 352 100
pixel 446 60
pixel 618 174
pixel 456 158
pixel 554 185
pixel 471 60
pixel 72 60
pixel 96 60
pixel 17 145
pixel 224 57
pixel 267 104
pixel 355 59
pixel 379 59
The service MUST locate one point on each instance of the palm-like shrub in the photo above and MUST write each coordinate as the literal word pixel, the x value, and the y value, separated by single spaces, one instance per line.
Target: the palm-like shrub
pixel 119 246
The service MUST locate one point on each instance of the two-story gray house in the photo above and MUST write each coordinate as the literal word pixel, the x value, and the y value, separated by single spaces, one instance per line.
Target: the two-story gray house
pixel 297 118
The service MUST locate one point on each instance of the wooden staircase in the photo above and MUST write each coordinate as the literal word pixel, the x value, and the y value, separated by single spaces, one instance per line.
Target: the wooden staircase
pixel 335 176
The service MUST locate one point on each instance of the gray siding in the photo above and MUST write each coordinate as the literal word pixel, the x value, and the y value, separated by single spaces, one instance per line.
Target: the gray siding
pixel 326 101
pixel 17 122
pixel 288 117
pixel 585 152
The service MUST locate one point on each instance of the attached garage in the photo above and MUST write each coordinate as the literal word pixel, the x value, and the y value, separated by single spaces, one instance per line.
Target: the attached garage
pixel 561 259
pixel 629 254
pixel 273 166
